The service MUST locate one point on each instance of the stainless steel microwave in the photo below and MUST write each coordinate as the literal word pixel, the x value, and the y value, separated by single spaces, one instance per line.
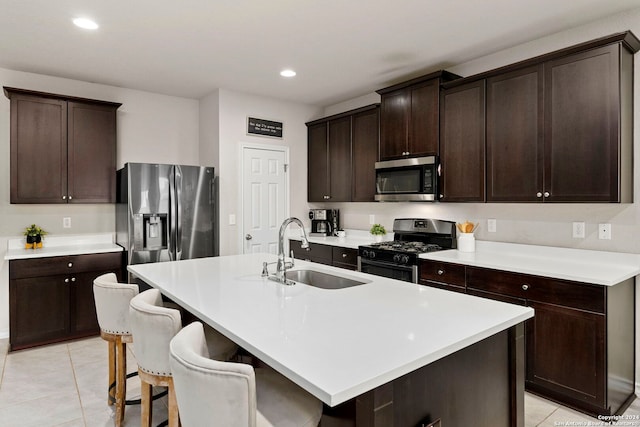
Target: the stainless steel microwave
pixel 407 180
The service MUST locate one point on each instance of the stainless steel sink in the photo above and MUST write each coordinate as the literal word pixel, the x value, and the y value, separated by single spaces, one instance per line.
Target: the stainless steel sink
pixel 322 280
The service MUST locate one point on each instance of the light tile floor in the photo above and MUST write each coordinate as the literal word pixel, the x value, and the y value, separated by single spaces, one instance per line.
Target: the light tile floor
pixel 65 385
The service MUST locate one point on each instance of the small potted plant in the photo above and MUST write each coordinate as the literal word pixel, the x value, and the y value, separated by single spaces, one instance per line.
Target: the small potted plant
pixel 378 232
pixel 34 236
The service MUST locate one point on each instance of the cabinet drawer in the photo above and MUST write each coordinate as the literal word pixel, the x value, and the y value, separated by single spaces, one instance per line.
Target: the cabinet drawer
pixel 345 256
pixel 442 272
pixel 48 266
pixel 535 288
pixel 316 253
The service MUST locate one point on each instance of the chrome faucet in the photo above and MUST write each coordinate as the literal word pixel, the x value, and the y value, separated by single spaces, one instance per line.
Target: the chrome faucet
pixel 282 264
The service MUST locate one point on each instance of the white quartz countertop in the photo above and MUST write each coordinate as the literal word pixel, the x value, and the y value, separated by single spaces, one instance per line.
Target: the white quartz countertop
pixel 596 267
pixel 63 245
pixel 336 344
pixel 353 238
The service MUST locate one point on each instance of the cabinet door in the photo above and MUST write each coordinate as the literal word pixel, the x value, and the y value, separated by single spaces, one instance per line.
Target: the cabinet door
pixel 340 160
pixel 582 104
pixel 565 353
pixel 91 153
pixel 82 310
pixel 364 144
pixel 423 121
pixel 318 163
pixel 462 143
pixel 394 123
pixel 39 310
pixel 38 150
pixel 515 136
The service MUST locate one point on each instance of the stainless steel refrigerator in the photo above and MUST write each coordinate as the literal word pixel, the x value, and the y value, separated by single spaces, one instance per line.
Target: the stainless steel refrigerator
pixel 166 212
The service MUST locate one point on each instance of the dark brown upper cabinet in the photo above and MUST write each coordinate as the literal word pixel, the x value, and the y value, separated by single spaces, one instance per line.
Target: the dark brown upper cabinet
pixel 409 117
pixel 342 151
pixel 559 127
pixel 63 149
pixel 515 144
pixel 462 143
pixel 588 126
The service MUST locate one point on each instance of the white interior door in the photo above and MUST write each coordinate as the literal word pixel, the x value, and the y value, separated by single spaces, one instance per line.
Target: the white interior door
pixel 264 198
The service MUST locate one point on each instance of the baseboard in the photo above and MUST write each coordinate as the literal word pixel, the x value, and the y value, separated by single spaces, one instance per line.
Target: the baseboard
pixel 5 334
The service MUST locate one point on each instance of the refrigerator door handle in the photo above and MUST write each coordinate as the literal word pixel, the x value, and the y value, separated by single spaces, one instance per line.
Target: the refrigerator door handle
pixel 172 215
pixel 178 212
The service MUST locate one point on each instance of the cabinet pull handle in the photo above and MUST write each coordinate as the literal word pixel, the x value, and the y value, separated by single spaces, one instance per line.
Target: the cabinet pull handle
pixel 70 265
pixel 525 287
pixel 538 194
pixel 440 272
pixel 546 194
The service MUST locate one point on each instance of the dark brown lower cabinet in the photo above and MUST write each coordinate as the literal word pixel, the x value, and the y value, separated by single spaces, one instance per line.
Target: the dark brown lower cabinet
pixel 51 299
pixel 580 345
pixel 325 254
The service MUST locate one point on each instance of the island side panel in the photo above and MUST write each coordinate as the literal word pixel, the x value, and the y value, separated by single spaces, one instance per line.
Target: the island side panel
pixel 481 385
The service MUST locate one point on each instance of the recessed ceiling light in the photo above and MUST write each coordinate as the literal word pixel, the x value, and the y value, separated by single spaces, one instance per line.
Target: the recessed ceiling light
pixel 287 73
pixel 85 23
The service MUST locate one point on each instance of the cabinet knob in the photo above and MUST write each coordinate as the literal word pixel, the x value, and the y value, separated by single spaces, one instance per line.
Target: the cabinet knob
pixel 73 279
pixel 66 280
pixel 70 265
pixel 442 196
pixel 70 197
pixel 248 237
pixel 64 197
pixel 344 255
pixel 538 194
pixel 440 272
pixel 546 194
pixel 525 287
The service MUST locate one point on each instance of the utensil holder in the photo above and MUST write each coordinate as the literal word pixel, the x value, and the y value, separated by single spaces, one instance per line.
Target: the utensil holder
pixel 466 242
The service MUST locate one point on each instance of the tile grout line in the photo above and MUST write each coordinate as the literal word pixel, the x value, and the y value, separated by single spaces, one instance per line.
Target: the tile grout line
pixel 75 382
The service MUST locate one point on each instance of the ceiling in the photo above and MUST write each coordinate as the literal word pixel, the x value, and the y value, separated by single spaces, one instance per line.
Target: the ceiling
pixel 340 49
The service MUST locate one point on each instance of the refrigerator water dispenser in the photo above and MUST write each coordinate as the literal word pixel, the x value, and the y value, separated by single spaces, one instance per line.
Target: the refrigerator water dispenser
pixel 150 232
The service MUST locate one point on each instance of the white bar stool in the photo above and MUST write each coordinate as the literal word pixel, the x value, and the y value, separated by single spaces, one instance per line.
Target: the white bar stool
pixel 153 326
pixel 112 308
pixel 227 394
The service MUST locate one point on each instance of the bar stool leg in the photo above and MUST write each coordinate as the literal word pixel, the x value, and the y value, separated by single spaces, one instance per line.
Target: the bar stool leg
pixel 146 403
pixel 174 418
pixel 121 380
pixel 111 398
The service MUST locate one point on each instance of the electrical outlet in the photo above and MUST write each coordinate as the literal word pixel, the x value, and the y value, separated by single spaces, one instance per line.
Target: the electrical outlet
pixel 66 222
pixel 372 219
pixel 604 231
pixel 578 230
pixel 491 225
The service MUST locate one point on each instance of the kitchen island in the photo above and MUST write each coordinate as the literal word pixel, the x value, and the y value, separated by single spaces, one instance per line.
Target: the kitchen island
pixel 396 352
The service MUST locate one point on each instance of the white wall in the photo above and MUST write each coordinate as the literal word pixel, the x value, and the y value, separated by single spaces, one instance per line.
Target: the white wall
pixel 233 108
pixel 543 224
pixel 151 128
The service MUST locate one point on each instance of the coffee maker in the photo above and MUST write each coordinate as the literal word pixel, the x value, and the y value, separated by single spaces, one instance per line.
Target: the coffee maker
pixel 324 222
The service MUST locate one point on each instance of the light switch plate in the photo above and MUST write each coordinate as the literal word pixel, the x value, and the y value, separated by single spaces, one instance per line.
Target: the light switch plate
pixel 66 222
pixel 604 231
pixel 491 225
pixel 232 219
pixel 372 219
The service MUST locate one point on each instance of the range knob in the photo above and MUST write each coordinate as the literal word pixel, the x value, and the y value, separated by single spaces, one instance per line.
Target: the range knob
pixel 396 257
pixel 372 254
pixel 404 259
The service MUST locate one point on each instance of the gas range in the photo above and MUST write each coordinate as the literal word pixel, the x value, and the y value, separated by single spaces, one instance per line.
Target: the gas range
pixel 398 259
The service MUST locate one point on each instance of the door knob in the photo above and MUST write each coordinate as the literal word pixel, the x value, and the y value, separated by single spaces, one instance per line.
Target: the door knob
pixel 248 237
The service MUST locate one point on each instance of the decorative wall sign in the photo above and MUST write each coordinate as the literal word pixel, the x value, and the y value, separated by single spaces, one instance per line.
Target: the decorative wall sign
pixel 264 127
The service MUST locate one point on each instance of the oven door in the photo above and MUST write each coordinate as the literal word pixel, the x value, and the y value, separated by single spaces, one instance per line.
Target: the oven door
pixel 407 273
pixel 406 180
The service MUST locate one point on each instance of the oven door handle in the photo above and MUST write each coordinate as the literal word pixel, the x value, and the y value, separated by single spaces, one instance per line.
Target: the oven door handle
pixel 363 261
